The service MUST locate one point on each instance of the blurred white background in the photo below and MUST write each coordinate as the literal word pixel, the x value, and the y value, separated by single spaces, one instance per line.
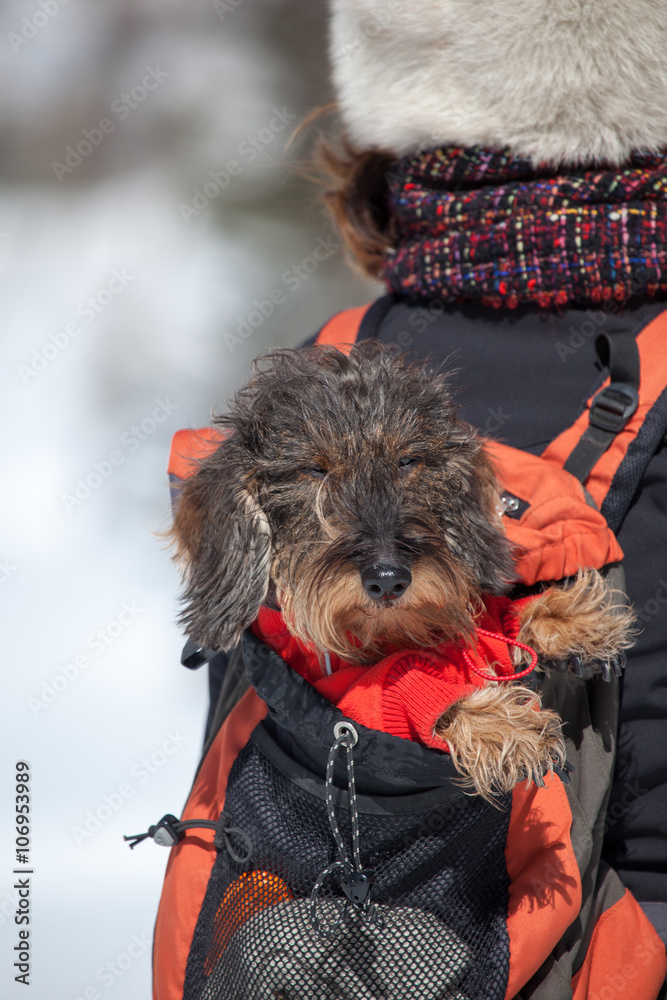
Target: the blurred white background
pixel 128 276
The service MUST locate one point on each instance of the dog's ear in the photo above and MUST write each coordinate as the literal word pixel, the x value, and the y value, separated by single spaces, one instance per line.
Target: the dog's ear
pixel 223 544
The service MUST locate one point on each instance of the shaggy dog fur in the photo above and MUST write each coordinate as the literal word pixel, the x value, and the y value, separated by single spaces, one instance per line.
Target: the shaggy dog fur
pixel 561 81
pixel 334 464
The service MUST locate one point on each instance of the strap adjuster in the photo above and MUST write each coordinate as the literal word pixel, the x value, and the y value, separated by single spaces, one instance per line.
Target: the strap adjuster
pixel 613 406
pixel 169 830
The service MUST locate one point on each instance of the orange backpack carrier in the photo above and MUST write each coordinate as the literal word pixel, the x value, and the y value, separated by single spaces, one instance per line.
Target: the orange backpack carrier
pixel 559 921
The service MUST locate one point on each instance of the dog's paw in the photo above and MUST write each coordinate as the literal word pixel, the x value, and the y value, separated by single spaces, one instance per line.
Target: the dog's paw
pixel 497 738
pixel 580 628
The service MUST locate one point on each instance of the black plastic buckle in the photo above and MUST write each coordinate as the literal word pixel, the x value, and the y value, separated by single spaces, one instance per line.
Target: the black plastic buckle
pixel 613 406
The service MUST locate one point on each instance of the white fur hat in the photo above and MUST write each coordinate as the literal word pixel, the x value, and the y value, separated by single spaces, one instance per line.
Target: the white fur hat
pixel 557 80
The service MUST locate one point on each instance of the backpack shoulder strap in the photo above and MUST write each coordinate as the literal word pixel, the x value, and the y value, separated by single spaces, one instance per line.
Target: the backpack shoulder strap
pixel 347 327
pixel 342 330
pixel 188 447
pixel 611 443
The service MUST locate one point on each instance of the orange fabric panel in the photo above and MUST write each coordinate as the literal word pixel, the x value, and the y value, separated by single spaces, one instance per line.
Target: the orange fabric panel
pixel 545 884
pixel 191 860
pixel 342 330
pixel 559 533
pixel 652 343
pixel 625 958
pixel 188 447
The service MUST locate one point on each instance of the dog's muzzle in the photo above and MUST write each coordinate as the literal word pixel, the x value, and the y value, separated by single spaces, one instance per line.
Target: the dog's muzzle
pixel 386 583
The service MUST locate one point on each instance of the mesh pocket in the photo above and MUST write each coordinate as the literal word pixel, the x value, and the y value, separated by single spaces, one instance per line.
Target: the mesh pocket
pixel 439 896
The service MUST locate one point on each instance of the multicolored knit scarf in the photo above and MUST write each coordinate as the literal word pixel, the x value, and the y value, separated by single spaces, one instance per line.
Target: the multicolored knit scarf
pixel 482 224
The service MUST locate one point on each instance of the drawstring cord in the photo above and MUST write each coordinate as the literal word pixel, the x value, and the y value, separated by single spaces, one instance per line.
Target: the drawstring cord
pixel 356 884
pixel 223 838
pixel 170 830
pixel 510 642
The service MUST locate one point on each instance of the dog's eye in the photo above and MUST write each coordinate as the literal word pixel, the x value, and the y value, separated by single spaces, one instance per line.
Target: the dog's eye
pixel 315 470
pixel 407 461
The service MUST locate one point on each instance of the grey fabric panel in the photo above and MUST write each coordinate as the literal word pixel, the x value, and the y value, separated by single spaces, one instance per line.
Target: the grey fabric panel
pixel 657 914
pixel 593 743
pixel 614 574
pixel 590 708
pixel 234 686
pixel 553 980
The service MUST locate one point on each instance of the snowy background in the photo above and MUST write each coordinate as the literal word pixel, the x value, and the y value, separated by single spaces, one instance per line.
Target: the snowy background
pixel 130 280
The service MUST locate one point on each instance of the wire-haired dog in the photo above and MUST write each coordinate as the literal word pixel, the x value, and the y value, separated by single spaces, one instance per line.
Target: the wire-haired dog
pixel 348 493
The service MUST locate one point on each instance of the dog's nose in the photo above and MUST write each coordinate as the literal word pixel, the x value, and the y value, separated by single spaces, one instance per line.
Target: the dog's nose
pixel 386 583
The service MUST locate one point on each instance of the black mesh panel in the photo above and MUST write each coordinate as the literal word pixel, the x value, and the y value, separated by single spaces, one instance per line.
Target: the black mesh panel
pixel 440 893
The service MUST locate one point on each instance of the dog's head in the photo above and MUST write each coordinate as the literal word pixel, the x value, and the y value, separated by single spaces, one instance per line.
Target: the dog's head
pixel 348 492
